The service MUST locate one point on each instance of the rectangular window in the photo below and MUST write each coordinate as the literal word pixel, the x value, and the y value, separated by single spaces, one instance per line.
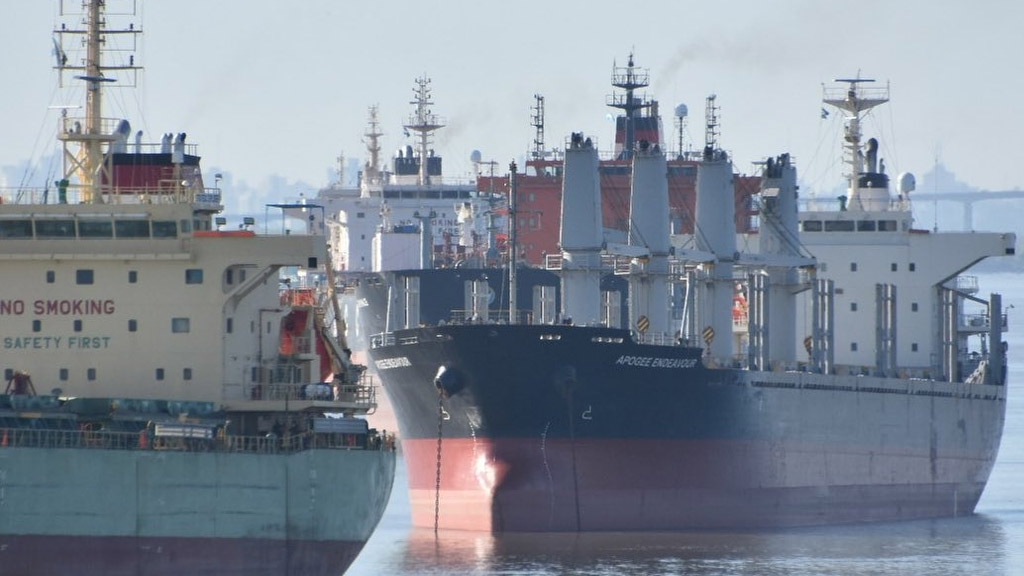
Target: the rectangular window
pixel 186 374
pixel 913 266
pixel 853 266
pixel 894 267
pixel 15 228
pixel 83 276
pixel 865 226
pixel 95 229
pixel 186 226
pixel 37 325
pixel 133 325
pixel 913 306
pixel 51 276
pixel 165 229
pixel 159 373
pixel 254 374
pixel 229 276
pixel 886 225
pixel 913 347
pixel 853 346
pixel 8 374
pixel 131 228
pixel 839 225
pixel 133 276
pixel 78 325
pixel 180 325
pixel 63 374
pixel 853 306
pixel 360 214
pixel 63 228
pixel 194 276
pixel 241 275
pixel 90 374
pixel 230 326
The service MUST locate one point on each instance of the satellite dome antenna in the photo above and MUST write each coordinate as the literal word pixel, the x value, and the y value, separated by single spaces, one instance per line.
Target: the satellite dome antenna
pixel 681 112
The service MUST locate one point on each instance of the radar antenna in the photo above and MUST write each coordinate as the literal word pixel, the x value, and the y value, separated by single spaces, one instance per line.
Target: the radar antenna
pixel 423 122
pixel 629 79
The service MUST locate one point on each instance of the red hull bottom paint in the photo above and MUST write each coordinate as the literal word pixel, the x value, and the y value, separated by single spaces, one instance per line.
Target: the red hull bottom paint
pixel 128 556
pixel 532 485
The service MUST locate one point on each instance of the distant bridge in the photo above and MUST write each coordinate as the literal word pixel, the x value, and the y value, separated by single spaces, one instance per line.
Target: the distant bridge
pixel 968 199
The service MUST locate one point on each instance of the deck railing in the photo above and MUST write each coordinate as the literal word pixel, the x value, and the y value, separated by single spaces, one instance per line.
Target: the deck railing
pixel 145 440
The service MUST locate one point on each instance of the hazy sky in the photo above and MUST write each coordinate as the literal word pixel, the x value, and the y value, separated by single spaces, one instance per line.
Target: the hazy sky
pixel 283 87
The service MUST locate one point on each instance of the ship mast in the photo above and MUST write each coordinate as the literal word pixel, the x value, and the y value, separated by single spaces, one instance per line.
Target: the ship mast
pixel 513 243
pixel 423 122
pixel 90 162
pixel 372 141
pixel 629 79
pixel 855 101
pixel 537 121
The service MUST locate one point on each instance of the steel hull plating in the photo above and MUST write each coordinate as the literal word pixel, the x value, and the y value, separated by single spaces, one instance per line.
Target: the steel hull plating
pixel 136 512
pixel 580 429
pixel 132 556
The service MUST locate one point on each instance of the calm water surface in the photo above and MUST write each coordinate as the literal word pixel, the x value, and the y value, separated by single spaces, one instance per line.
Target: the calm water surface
pixel 990 542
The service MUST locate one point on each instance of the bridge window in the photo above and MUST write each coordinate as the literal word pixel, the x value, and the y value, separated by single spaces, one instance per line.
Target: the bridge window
pixel 95 229
pixel 886 225
pixel 131 228
pixel 839 225
pixel 15 228
pixel 812 225
pixel 165 229
pixel 865 226
pixel 64 228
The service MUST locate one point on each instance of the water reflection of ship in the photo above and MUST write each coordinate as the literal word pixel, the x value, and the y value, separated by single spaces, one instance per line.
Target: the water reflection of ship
pixel 875 549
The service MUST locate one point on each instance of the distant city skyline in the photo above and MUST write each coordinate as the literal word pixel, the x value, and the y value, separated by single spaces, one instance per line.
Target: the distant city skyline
pixel 280 90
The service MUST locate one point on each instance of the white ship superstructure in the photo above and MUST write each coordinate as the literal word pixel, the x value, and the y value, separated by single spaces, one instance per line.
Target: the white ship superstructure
pixel 380 225
pixel 920 318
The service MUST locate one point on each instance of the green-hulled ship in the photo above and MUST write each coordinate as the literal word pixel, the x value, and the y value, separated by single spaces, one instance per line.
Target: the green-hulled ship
pixel 169 406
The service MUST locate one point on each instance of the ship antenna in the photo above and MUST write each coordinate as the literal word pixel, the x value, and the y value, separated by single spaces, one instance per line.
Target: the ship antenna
pixel 90 162
pixel 372 141
pixel 854 101
pixel 423 122
pixel 629 79
pixel 711 127
pixel 537 121
pixel 513 245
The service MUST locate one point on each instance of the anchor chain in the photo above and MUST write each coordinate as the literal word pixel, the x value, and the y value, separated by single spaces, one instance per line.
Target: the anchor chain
pixel 437 474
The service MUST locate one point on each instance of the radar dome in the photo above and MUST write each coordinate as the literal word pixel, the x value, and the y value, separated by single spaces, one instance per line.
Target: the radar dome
pixel 682 111
pixel 906 183
pixel 475 156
